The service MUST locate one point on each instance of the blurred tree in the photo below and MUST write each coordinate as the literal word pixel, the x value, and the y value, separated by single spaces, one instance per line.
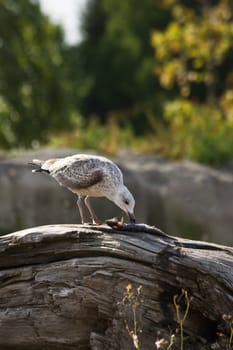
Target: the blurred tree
pixel 114 62
pixel 194 54
pixel 195 51
pixel 33 86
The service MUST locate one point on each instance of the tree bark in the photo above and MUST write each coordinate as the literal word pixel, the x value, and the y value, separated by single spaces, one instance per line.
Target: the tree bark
pixel 88 287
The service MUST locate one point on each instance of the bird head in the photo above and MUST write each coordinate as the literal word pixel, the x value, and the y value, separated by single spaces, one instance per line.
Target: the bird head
pixel 126 202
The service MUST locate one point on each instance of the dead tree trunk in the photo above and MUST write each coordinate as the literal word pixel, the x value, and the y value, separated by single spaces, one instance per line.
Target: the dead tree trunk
pixel 75 287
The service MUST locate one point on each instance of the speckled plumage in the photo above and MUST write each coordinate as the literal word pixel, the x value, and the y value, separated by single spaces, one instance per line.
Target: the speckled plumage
pixel 89 176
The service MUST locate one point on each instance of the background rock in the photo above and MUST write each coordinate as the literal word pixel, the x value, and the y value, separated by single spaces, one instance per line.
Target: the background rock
pixel 182 198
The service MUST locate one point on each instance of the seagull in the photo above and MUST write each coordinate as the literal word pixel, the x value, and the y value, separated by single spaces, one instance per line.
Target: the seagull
pixel 89 176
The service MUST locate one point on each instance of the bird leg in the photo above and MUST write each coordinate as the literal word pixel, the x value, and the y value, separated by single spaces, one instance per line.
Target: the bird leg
pixel 80 207
pixel 94 218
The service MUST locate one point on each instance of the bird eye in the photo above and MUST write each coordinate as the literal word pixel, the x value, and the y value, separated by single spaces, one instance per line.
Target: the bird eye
pixel 126 201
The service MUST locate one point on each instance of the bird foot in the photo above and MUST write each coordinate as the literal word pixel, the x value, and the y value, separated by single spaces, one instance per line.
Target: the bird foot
pixel 96 221
pixel 86 223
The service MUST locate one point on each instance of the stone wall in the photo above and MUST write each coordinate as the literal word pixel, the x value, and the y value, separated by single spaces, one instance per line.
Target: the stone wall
pixel 182 198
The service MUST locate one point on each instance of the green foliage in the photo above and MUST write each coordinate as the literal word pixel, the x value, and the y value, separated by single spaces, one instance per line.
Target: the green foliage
pixel 213 148
pixel 194 48
pixel 193 55
pixel 33 88
pixel 152 76
pixel 115 60
pixel 200 132
pixel 108 138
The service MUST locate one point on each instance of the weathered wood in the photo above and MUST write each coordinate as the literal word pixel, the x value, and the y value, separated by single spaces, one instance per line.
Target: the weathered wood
pixel 60 288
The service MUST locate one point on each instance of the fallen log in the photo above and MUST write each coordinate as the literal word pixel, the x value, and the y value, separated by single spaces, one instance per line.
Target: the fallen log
pixel 95 287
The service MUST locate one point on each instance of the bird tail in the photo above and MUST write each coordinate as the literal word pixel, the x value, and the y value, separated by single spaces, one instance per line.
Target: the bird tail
pixel 39 163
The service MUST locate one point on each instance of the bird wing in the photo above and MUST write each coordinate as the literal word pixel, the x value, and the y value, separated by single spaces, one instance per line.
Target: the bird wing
pixel 78 174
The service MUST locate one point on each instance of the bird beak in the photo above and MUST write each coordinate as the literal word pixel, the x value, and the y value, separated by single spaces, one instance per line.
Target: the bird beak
pixel 131 218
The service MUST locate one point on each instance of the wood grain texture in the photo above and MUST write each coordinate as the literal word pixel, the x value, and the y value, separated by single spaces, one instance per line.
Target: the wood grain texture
pixel 60 288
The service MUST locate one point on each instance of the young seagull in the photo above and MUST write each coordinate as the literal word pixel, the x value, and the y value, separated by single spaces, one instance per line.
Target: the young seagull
pixel 90 176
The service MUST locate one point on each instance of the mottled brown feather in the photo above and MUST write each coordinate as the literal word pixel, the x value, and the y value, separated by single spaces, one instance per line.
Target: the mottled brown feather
pixel 75 178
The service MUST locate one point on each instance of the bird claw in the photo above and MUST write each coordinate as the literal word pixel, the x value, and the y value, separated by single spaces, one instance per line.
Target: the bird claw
pixel 96 222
